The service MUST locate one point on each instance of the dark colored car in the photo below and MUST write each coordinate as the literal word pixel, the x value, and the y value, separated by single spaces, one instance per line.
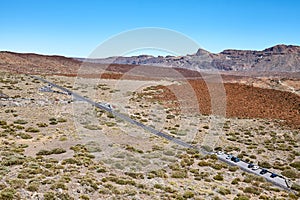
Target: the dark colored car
pixel 273 175
pixel 263 171
pixel 235 159
pixel 250 165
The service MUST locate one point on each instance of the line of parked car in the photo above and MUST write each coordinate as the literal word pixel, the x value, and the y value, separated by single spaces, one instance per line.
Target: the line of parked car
pixel 48 88
pixel 250 165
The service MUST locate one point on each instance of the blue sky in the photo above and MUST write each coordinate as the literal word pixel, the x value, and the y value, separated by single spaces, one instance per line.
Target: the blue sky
pixel 75 28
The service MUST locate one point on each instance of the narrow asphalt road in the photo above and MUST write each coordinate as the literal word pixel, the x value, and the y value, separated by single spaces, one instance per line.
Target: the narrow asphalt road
pixel 278 180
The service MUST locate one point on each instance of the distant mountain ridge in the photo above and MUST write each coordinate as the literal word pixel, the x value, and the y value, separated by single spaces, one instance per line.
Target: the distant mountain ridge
pixel 35 63
pixel 279 58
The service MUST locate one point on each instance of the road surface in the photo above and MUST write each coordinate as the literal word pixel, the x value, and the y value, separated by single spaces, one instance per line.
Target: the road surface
pixel 279 180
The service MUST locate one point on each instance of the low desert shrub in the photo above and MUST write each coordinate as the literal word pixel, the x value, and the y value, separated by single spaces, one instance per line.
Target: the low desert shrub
pixel 20 121
pixel 296 165
pixel 53 151
pixel 179 174
pixel 290 173
pixel 218 177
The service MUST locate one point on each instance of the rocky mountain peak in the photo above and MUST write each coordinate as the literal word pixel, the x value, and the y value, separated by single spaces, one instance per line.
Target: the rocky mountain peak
pixel 283 49
pixel 201 52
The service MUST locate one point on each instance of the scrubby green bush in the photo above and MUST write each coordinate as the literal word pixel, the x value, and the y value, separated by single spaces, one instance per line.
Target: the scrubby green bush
pixel 110 115
pixel 188 194
pixel 70 161
pixel 194 171
pixel 158 186
pixel 235 181
pixel 161 173
pixel 252 190
pixel 203 163
pixel 84 197
pixel 16 183
pixel 135 175
pixel 224 191
pixel 3 123
pixel 170 116
pixel 290 173
pixel 43 152
pixel 25 136
pixel 295 187
pixel 92 127
pixel 61 120
pixel 241 197
pixel 33 187
pixel 179 174
pixel 53 151
pixel 19 127
pixel 32 130
pixel 132 149
pixel 265 164
pixel 53 123
pixel 58 185
pixel 20 121
pixel 296 165
pixel 218 177
pixel 233 168
pixel 101 170
pixel 49 196
pixel 7 194
pixel 120 181
pixel 42 125
pixel 217 166
pixel 13 160
pixel 10 111
pixel 52 119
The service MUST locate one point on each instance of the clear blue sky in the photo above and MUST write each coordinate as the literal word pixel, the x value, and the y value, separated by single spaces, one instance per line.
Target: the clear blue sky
pixel 75 28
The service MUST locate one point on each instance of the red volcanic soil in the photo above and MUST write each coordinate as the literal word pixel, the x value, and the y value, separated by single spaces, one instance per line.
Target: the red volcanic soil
pixel 241 101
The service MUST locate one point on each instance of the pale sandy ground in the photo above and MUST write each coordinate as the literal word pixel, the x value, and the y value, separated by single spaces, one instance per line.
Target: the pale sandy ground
pixel 113 135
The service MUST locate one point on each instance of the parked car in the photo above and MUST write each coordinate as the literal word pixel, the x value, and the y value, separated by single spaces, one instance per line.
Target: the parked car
pixel 106 105
pixel 229 157
pixel 220 153
pixel 273 175
pixel 263 171
pixel 251 165
pixel 255 167
pixel 235 159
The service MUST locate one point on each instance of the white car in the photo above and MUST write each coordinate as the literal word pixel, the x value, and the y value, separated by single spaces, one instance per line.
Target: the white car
pixel 106 105
pixel 220 153
pixel 255 167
